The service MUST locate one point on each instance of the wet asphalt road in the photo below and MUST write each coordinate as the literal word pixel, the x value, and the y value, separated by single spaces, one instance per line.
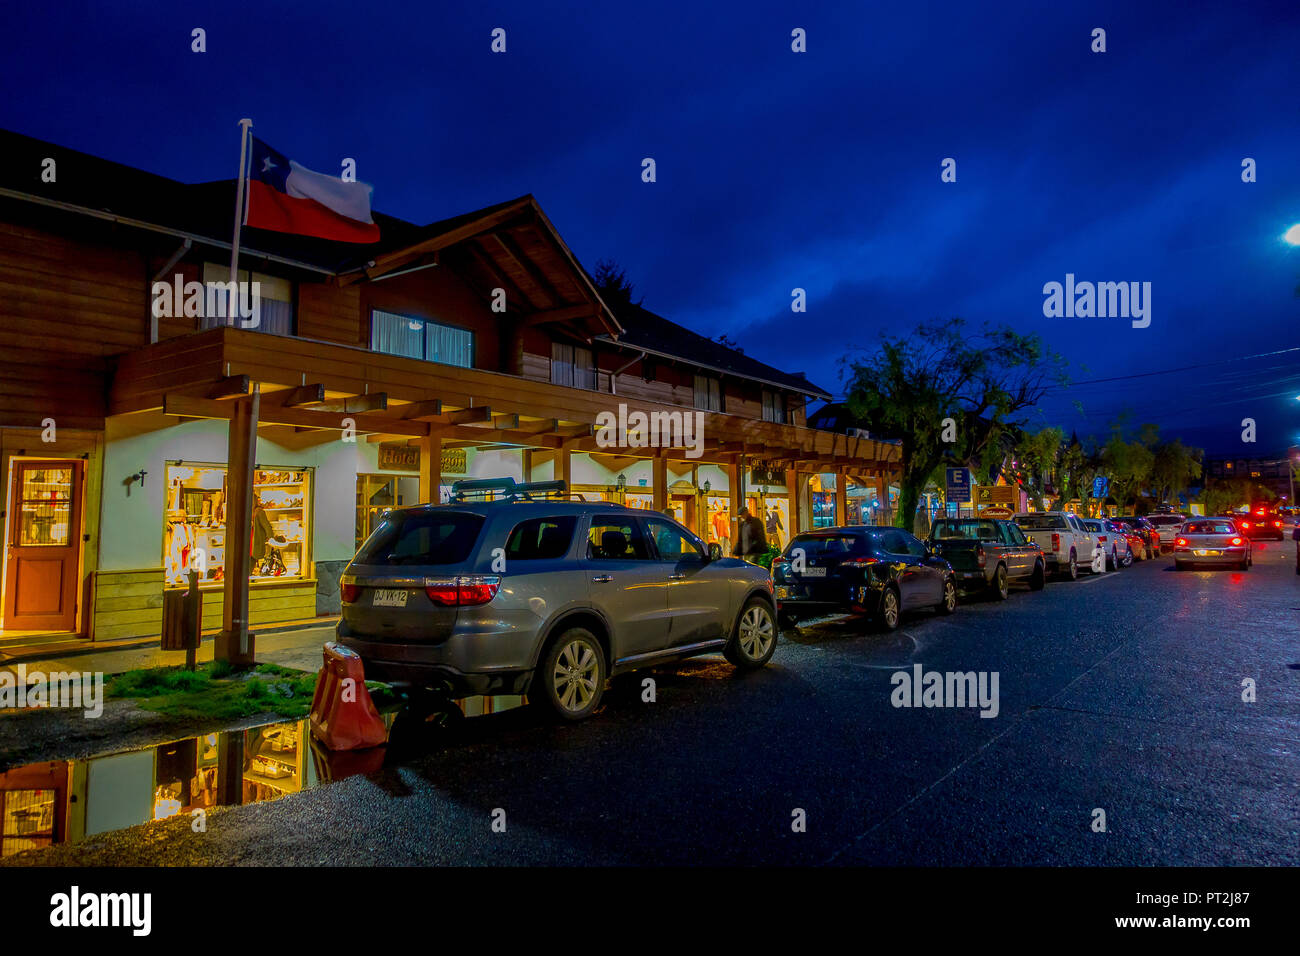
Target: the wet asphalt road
pixel 1121 692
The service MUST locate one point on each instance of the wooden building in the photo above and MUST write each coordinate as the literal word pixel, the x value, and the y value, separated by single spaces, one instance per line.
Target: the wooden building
pixel 476 346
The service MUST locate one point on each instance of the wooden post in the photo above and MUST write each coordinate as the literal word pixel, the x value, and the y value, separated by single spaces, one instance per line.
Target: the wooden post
pixel 235 643
pixel 736 499
pixel 527 467
pixel 563 470
pixel 792 501
pixel 430 469
pixel 659 483
pixel 841 499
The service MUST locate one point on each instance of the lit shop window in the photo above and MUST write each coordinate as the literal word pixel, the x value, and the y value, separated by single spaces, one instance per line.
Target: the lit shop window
pixel 194 528
pixel 45 506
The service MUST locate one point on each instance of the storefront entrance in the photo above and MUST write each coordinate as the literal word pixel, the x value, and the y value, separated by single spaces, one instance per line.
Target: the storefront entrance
pixel 376 494
pixel 43 545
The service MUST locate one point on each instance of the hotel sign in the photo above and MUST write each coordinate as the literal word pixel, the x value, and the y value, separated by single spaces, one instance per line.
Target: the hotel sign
pixel 396 456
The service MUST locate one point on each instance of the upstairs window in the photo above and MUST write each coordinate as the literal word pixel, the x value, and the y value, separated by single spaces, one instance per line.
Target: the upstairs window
pixel 275 294
pixel 773 407
pixel 573 365
pixel 406 335
pixel 708 393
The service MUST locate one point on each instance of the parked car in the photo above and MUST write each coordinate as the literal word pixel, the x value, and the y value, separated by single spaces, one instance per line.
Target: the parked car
pixel 548 598
pixel 1147 531
pixel 1211 541
pixel 1112 540
pixel 988 554
pixel 1132 545
pixel 1065 544
pixel 1167 524
pixel 1263 522
pixel 865 570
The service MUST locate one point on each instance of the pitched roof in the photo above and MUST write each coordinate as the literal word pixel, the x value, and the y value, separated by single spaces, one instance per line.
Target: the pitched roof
pixel 643 329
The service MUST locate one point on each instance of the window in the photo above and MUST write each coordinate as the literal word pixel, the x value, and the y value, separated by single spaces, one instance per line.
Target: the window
pixel 275 299
pixel 419 537
pixel 573 365
pixel 672 542
pixel 616 539
pixel 406 335
pixel 708 393
pixel 894 542
pixel 828 545
pixel 540 539
pixel 773 407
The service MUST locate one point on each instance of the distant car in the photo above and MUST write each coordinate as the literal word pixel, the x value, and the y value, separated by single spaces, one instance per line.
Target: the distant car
pixel 1211 541
pixel 1263 522
pixel 1137 543
pixel 1167 524
pixel 1113 544
pixel 1150 534
pixel 987 553
pixel 876 572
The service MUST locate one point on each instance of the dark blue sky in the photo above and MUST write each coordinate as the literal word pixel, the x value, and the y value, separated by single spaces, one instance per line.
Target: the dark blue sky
pixel 775 170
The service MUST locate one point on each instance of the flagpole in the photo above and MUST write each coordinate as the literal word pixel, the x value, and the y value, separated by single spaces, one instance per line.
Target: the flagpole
pixel 245 126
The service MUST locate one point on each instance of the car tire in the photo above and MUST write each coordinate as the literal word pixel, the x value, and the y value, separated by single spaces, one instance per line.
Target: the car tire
pixel 570 679
pixel 1128 557
pixel 891 609
pixel 1072 569
pixel 753 639
pixel 1039 578
pixel 1180 566
pixel 786 621
pixel 1244 566
pixel 1001 587
pixel 949 602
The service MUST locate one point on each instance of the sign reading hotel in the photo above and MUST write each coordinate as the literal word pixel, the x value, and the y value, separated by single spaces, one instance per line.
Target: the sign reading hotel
pixel 395 456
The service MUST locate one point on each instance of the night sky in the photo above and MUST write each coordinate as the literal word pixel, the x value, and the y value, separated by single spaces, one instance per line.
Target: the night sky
pixel 777 170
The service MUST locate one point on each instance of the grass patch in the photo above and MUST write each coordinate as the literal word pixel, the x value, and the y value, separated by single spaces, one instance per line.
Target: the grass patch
pixel 216 691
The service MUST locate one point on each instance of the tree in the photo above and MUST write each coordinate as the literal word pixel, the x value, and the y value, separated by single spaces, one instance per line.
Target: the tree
pixel 1037 461
pixel 612 283
pixel 983 381
pixel 1174 470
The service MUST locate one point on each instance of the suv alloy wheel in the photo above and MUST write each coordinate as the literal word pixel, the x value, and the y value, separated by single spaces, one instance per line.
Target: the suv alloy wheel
pixel 754 639
pixel 571 675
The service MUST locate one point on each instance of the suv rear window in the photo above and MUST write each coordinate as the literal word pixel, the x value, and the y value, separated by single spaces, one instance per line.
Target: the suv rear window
pixel 830 545
pixel 422 537
pixel 541 538
pixel 948 528
pixel 1042 522
pixel 1209 527
pixel 1165 519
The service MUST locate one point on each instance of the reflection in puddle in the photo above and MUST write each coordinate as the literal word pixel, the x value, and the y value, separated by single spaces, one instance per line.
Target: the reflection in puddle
pixel 67 801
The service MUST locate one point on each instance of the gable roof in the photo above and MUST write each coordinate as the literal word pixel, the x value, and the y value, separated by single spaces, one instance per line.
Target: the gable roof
pixel 648 331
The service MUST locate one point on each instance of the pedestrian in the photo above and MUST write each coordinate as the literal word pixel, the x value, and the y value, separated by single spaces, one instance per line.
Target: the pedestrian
pixel 751 537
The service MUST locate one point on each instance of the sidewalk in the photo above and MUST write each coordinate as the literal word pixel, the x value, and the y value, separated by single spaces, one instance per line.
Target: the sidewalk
pixel 297 645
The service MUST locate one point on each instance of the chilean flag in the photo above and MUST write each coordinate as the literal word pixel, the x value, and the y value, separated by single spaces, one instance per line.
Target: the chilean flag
pixel 284 196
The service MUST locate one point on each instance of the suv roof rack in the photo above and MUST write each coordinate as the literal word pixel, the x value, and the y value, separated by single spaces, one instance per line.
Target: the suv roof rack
pixel 508 488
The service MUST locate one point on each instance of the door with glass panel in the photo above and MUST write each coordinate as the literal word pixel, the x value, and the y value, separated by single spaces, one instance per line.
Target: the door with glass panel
pixel 43 546
pixel 376 494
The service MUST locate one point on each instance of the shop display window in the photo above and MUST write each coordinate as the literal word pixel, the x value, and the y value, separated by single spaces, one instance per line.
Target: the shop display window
pixel 194 530
pixel 45 506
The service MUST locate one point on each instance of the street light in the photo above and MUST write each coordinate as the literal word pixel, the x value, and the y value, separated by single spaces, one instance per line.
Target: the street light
pixel 1292 235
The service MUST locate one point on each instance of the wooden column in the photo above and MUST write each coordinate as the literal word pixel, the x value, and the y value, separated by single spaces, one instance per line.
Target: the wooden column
pixel 736 499
pixel 882 494
pixel 659 483
pixel 563 471
pixel 430 468
pixel 841 499
pixel 527 468
pixel 792 501
pixel 235 643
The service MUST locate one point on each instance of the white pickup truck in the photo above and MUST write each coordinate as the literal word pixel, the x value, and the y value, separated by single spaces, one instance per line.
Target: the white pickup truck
pixel 1066 544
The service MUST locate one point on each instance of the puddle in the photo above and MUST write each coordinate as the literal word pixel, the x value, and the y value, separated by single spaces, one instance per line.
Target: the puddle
pixel 68 801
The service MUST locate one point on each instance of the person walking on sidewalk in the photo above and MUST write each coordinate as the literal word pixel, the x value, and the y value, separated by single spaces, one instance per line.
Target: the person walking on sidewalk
pixel 751 537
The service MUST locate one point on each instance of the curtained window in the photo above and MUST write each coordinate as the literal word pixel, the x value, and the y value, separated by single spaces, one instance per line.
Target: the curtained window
pixel 405 335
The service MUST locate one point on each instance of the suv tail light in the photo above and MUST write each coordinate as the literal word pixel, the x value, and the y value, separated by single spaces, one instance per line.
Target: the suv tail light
pixel 1236 541
pixel 980 556
pixel 1056 541
pixel 858 562
pixel 1180 542
pixel 1277 524
pixel 466 590
pixel 349 593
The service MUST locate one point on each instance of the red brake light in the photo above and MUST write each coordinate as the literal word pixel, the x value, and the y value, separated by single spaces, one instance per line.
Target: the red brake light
pixel 1245 524
pixel 1181 542
pixel 1056 541
pixel 857 562
pixel 1236 541
pixel 466 590
pixel 980 555
pixel 1277 524
pixel 349 593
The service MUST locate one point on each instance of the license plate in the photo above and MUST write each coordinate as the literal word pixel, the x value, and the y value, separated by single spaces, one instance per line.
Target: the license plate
pixel 813 572
pixel 1207 552
pixel 390 598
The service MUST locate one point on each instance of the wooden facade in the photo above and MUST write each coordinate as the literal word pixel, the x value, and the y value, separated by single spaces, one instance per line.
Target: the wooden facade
pixel 79 345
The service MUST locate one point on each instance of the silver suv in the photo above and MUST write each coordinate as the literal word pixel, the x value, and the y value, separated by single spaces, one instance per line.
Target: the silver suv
pixel 525 595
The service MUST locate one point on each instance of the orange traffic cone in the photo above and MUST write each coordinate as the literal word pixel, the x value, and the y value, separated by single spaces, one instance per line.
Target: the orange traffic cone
pixel 343 717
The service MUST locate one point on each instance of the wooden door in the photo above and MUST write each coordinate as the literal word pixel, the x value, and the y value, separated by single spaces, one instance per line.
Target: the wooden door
pixel 42 560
